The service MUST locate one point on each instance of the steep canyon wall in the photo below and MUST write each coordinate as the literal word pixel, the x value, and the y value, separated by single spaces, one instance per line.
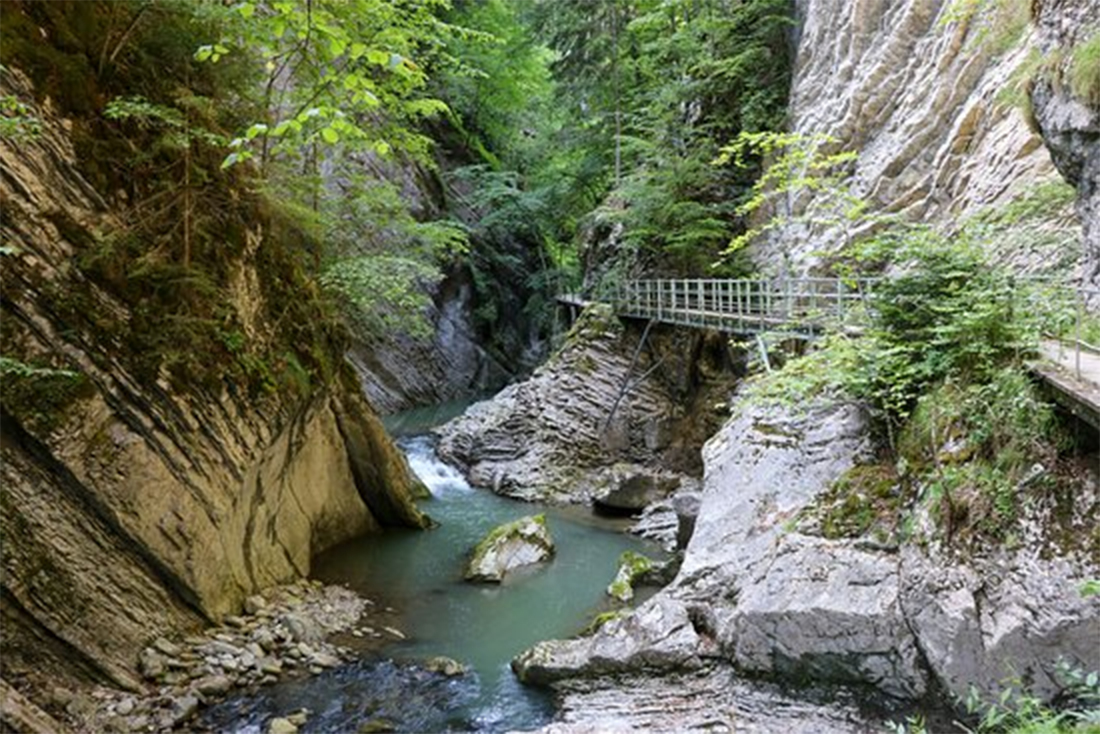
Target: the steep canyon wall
pixel 933 96
pixel 132 507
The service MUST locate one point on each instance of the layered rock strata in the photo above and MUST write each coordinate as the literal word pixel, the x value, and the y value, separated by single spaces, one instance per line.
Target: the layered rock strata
pixel 592 422
pixel 132 508
pixel 756 594
pixel 931 96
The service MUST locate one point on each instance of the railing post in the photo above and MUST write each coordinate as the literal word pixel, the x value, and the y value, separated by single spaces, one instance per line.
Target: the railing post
pixel 1077 341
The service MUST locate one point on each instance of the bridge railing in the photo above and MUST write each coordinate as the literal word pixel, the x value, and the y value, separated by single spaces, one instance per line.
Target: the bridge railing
pixel 804 305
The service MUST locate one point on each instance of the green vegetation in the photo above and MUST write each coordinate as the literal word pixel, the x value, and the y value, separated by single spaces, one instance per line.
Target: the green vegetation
pixel 658 87
pixel 969 440
pixel 1016 711
pixel 1084 69
pixel 798 164
pixel 16 122
pixel 994 26
pixel 631 566
pixel 282 133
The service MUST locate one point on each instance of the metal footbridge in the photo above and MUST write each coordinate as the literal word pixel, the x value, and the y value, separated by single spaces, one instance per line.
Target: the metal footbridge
pixel 807 308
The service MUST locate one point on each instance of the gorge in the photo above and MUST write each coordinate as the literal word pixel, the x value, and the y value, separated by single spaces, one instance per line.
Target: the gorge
pixel 239 239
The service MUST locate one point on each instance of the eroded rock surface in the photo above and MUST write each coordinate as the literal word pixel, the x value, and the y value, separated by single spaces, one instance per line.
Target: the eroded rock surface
pixel 131 508
pixel 520 543
pixel 710 699
pixel 765 599
pixel 558 435
pixel 993 621
pixel 1070 123
pixel 758 595
pixel 931 98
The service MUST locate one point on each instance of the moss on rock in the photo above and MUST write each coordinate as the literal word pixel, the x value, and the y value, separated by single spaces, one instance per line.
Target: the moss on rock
pixel 509 546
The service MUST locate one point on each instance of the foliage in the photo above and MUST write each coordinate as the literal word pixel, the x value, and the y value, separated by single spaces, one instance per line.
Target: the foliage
pixel 974 449
pixel 657 85
pixel 498 85
pixel 822 373
pixel 16 121
pixel 1084 69
pixel 377 289
pixel 948 315
pixel 1017 711
pixel 37 394
pixel 799 164
pixel 941 364
pixel 333 72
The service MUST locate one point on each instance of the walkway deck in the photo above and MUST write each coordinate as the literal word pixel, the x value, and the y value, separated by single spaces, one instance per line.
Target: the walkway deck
pixel 808 307
pixel 1073 377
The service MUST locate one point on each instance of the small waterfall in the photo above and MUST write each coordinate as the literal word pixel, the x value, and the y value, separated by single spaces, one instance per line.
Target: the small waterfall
pixel 441 479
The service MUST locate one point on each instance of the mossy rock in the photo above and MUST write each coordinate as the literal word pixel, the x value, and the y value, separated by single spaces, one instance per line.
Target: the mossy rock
pixel 632 566
pixel 522 542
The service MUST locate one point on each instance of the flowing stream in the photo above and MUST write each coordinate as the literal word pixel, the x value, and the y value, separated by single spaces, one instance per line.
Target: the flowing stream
pixel 419 574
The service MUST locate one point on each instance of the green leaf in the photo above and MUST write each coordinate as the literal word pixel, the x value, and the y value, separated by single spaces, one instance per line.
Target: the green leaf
pixel 330 135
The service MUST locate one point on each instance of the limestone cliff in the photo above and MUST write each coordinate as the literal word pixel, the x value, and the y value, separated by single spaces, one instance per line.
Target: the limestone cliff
pixel 133 503
pixel 603 415
pixel 757 593
pixel 931 95
pixel 1066 102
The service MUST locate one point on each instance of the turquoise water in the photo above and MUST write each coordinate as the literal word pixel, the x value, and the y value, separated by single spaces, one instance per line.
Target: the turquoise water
pixel 419 574
pixel 482 625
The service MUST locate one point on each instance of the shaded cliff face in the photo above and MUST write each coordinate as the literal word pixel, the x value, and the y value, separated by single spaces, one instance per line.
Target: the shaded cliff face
pixel 1069 121
pixel 131 506
pixel 486 318
pixel 605 412
pixel 931 95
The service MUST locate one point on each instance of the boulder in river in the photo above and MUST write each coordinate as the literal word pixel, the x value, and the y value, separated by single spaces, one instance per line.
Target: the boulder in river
pixel 632 567
pixel 518 543
pixel 631 488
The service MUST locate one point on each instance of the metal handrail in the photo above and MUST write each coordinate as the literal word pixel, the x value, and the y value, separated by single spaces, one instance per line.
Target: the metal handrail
pixel 806 306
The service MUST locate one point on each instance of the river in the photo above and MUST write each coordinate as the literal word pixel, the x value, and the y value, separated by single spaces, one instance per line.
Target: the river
pixel 419 574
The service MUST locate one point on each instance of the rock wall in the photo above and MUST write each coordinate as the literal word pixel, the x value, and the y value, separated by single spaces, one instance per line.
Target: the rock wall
pixel 1070 123
pixel 487 322
pixel 130 508
pixel 571 433
pixel 399 371
pixel 931 96
pixel 757 594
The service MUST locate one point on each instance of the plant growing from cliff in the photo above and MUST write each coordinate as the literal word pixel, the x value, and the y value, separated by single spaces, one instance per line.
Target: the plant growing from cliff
pixel 992 25
pixel 1084 70
pixel 948 315
pixel 16 121
pixel 801 166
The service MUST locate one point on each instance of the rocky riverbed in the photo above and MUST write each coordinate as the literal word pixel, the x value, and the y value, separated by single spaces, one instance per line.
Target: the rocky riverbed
pixel 757 595
pixel 285 632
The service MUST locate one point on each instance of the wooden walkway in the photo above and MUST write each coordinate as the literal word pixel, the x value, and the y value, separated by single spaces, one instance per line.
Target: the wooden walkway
pixel 1072 375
